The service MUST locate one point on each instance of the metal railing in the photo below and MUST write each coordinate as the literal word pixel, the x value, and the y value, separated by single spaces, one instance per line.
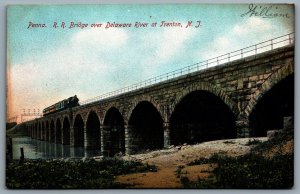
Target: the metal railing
pixel 261 47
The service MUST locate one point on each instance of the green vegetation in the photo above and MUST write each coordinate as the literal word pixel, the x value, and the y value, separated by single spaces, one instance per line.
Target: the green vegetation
pixel 213 159
pixel 179 171
pixel 91 174
pixel 250 171
pixel 10 125
pixel 275 142
pixel 253 142
pixel 228 142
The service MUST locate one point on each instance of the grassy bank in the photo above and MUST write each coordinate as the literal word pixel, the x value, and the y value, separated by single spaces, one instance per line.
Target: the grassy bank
pixel 250 171
pixel 73 174
pixel 16 131
pixel 269 165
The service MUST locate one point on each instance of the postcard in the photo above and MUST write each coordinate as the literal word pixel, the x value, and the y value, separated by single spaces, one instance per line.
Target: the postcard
pixel 106 96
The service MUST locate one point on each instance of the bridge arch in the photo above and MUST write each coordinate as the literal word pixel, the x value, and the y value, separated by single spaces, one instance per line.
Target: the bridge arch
pixel 144 98
pixel 146 127
pixel 269 84
pixel 28 130
pixel 113 125
pixel 32 130
pixel 205 86
pixel 52 131
pixel 93 131
pixel 200 116
pixel 58 131
pixel 43 130
pixel 66 131
pixel 39 130
pixel 47 135
pixel 78 127
pixel 273 101
pixel 35 130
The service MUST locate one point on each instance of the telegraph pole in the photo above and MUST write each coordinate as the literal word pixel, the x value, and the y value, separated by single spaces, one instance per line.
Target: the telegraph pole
pixel 30 114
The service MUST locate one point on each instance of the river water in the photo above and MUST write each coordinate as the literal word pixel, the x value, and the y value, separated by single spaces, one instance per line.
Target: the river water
pixel 36 149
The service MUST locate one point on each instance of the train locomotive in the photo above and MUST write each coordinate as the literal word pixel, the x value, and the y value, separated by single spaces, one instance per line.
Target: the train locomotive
pixel 62 105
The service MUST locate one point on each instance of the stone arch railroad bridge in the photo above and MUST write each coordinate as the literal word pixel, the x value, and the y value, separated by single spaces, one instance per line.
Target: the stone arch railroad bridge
pixel 242 98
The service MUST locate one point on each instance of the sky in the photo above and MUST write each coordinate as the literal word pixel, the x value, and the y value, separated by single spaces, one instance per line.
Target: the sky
pixel 47 64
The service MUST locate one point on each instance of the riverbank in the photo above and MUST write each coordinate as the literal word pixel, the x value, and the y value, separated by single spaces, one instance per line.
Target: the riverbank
pixel 236 163
pixel 177 157
pixel 252 162
pixel 16 131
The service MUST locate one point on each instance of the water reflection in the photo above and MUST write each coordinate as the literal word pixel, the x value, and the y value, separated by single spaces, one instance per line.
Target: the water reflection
pixel 36 149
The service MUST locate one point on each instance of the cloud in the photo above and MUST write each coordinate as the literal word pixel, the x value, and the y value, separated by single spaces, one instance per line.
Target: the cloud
pixel 172 42
pixel 246 33
pixel 252 25
pixel 113 37
pixel 163 46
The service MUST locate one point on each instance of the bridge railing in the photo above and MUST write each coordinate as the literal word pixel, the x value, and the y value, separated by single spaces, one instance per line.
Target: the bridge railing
pixel 261 47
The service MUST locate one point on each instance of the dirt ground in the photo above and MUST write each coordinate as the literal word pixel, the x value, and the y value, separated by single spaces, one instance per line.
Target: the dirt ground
pixel 171 160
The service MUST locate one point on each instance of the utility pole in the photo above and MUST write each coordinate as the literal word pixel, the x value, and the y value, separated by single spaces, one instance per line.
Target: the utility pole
pixel 25 116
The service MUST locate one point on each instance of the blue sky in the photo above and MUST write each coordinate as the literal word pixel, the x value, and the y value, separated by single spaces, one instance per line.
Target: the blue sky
pixel 48 64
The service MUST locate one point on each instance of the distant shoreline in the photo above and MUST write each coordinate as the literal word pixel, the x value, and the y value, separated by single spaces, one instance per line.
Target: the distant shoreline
pixel 15 132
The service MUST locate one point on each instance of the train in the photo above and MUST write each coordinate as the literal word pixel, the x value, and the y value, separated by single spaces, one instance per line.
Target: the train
pixel 61 105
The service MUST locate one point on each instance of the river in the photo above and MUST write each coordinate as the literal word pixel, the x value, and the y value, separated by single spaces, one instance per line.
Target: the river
pixel 36 149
